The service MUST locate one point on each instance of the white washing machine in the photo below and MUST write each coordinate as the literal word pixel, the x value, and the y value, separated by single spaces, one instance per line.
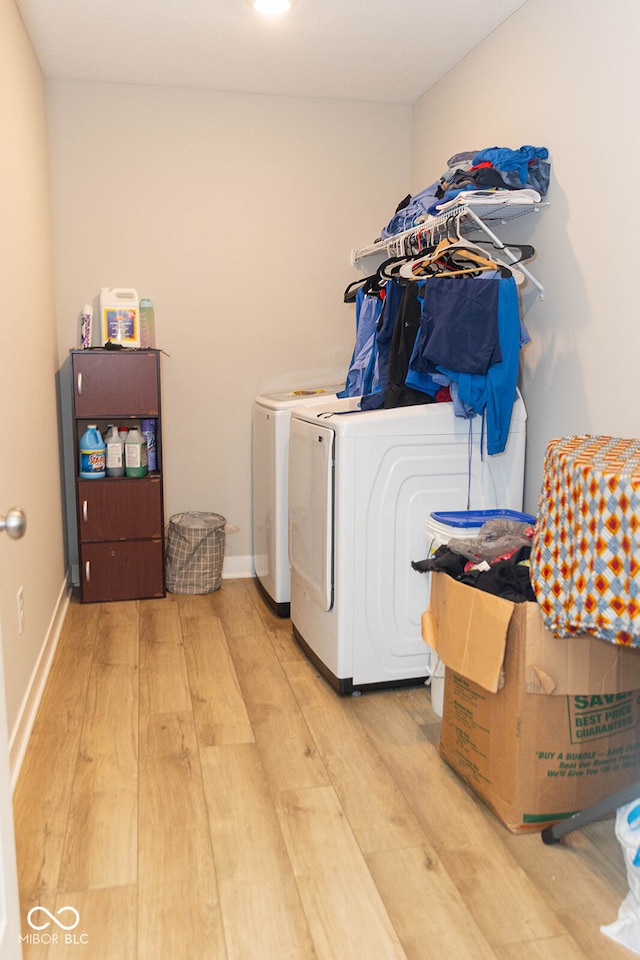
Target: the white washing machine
pixel 361 488
pixel 270 441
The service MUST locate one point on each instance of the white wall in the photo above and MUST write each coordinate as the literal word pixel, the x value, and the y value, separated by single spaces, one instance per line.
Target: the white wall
pixel 29 457
pixel 236 214
pixel 565 76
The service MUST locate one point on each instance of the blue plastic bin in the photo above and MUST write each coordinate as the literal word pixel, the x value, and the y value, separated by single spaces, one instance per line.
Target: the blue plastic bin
pixel 475 518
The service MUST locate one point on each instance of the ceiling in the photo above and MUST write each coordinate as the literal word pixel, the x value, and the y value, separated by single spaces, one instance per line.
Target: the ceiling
pixel 378 50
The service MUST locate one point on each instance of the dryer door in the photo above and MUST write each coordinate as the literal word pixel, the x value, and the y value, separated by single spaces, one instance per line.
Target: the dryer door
pixel 311 466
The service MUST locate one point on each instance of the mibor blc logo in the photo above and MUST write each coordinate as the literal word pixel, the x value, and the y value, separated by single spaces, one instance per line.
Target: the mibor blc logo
pixel 44 924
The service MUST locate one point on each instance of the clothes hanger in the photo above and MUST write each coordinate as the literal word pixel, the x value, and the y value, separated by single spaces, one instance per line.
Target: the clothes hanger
pixel 525 249
pixel 391 269
pixel 351 292
pixel 455 267
pixel 465 255
pixel 472 251
pixel 452 258
pixel 407 270
pixel 506 269
pixel 447 243
pixel 387 270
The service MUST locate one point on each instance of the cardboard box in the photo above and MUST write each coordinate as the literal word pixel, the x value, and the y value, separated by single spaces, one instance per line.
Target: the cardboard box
pixel 539 727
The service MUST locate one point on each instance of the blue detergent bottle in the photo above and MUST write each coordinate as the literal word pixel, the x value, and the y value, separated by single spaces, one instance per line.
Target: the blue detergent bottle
pixel 92 454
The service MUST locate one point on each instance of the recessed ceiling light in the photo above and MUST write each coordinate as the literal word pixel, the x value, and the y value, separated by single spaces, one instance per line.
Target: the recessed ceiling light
pixel 272 7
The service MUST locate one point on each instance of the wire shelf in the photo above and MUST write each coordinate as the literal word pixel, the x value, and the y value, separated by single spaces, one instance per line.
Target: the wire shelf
pixel 470 216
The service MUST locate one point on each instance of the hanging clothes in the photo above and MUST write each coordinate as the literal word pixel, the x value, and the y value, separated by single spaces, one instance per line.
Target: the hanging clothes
pixel 362 373
pixel 398 328
pixel 393 296
pixel 405 331
pixel 458 325
pixel 423 373
pixel 493 392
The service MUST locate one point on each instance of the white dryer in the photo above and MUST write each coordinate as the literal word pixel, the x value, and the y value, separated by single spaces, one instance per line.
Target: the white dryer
pixel 270 448
pixel 361 488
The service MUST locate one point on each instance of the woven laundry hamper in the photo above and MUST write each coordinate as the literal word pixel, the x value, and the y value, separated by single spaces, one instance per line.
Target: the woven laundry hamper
pixel 195 552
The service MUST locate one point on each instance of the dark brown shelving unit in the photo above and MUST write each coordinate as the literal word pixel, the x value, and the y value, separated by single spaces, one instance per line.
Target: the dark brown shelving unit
pixel 120 520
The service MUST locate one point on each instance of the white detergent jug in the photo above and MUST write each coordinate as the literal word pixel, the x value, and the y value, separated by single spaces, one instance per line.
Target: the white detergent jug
pixel 120 316
pixel 115 452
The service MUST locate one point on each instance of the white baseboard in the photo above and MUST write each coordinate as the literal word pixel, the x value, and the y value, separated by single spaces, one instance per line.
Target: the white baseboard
pixel 237 568
pixel 21 732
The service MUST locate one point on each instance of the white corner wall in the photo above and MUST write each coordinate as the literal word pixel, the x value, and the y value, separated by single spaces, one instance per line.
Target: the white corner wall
pixel 236 214
pixel 29 462
pixel 565 76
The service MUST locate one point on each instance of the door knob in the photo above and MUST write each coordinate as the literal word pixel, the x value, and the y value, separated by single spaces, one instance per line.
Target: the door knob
pixel 15 523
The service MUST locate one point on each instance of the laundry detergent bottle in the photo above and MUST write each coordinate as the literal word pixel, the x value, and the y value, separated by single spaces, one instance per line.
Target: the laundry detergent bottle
pixel 135 454
pixel 92 454
pixel 115 452
pixel 120 313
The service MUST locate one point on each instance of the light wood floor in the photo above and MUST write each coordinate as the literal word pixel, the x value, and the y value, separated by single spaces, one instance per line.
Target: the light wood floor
pixel 196 791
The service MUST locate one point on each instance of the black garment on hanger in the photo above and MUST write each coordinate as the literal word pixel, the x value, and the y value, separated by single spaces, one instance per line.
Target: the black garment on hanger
pixel 404 334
